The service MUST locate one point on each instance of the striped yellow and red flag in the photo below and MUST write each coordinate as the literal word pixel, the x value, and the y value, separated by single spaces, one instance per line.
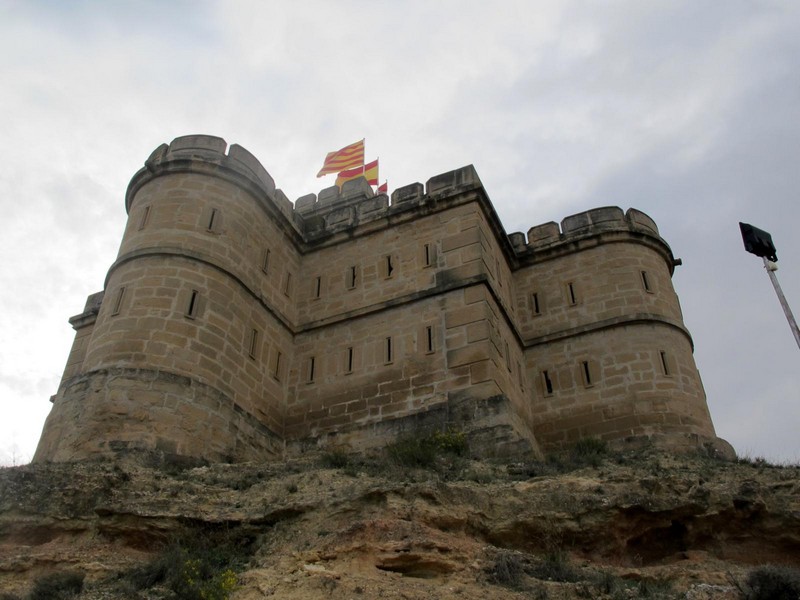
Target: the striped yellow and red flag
pixel 369 170
pixel 346 158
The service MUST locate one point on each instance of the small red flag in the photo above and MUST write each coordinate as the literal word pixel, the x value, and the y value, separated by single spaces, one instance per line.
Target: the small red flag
pixel 384 187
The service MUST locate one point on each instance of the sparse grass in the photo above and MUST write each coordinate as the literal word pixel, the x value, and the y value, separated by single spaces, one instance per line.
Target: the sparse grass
pixel 589 452
pixel 335 459
pixel 423 452
pixel 507 570
pixel 57 586
pixel 172 464
pixel 556 567
pixel 610 585
pixel 658 589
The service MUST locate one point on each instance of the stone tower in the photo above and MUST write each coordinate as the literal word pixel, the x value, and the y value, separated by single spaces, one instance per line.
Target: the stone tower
pixel 236 326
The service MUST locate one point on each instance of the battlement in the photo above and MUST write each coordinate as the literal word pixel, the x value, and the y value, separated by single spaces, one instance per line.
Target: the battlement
pixel 587 223
pixel 206 154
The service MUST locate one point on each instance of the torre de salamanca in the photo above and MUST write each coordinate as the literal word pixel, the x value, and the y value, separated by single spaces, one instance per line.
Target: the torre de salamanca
pixel 235 325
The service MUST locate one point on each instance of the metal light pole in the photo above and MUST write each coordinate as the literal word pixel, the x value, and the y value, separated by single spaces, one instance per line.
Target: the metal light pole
pixel 759 242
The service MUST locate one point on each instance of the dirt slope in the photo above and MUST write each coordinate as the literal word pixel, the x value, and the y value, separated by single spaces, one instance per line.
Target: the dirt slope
pixel 632 526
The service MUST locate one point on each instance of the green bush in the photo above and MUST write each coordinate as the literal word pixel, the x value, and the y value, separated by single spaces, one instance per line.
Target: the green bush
pixel 772 582
pixel 58 586
pixel 199 566
pixel 450 441
pixel 200 580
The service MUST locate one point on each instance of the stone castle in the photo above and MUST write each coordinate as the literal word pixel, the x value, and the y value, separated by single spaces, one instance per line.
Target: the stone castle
pixel 237 326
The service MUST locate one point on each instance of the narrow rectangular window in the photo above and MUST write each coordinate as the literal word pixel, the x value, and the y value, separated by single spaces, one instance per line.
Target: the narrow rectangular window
pixel 118 301
pixel 645 282
pixel 429 339
pixel 310 372
pixel 665 363
pixel 287 289
pixel 212 220
pixel 388 350
pixel 191 307
pixel 276 371
pixel 508 357
pixel 252 349
pixel 318 287
pixel 535 305
pixel 145 216
pixel 348 363
pixel 351 277
pixel 389 267
pixel 573 300
pixel 587 373
pixel 265 261
pixel 547 383
pixel 428 255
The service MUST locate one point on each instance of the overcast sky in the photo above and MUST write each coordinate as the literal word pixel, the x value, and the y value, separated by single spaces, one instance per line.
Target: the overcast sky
pixel 687 110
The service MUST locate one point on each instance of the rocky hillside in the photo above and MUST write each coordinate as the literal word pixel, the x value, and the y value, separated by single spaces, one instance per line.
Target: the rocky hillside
pixel 405 526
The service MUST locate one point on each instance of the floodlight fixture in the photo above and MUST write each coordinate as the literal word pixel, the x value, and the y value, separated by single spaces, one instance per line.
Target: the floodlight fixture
pixel 759 242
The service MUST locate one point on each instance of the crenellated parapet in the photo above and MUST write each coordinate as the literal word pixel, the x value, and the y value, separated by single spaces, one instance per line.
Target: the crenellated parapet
pixel 598 225
pixel 334 210
pixel 206 154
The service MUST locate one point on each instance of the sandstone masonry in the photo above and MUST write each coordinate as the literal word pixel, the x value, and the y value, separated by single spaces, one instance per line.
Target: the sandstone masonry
pixel 235 326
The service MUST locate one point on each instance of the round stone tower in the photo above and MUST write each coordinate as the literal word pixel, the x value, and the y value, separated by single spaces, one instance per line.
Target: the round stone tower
pixel 607 348
pixel 173 361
